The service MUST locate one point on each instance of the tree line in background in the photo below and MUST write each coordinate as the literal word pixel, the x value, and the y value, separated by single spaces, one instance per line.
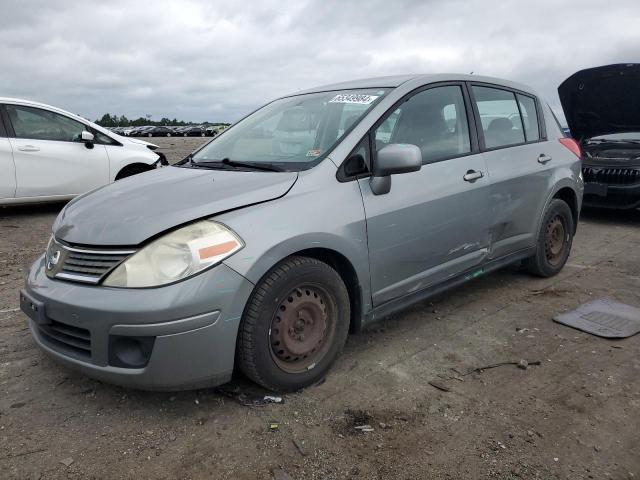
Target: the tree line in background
pixel 108 120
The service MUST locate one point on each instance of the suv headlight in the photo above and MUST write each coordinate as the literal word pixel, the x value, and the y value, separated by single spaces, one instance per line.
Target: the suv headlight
pixel 176 255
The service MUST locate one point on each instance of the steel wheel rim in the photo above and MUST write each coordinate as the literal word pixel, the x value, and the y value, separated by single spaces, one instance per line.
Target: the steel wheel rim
pixel 555 240
pixel 302 328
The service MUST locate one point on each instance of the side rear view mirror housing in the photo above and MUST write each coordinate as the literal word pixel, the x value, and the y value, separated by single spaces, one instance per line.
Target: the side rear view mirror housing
pixel 394 159
pixel 87 138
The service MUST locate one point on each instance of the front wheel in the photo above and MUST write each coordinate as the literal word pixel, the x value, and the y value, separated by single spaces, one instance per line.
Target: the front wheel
pixel 294 325
pixel 554 240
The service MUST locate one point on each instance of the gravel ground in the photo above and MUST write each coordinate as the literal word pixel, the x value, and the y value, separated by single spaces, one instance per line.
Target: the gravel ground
pixel 575 416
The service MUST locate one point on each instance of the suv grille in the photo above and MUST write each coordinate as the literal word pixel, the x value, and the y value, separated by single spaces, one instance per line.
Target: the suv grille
pixel 75 341
pixel 611 176
pixel 82 264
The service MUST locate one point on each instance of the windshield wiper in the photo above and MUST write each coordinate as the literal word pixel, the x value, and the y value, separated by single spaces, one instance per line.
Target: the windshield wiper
pixel 225 162
pixel 267 167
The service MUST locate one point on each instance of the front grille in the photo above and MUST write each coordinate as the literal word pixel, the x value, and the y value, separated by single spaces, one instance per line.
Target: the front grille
pixel 91 265
pixel 611 176
pixel 82 264
pixel 74 341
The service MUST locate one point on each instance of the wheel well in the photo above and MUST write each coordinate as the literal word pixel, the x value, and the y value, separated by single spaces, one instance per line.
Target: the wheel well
pixel 569 197
pixel 343 266
pixel 139 167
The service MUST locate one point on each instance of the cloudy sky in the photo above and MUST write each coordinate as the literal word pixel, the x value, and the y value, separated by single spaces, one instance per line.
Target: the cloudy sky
pixel 209 60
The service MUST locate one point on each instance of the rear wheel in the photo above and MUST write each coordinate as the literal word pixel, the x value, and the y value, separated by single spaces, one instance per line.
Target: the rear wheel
pixel 294 325
pixel 554 240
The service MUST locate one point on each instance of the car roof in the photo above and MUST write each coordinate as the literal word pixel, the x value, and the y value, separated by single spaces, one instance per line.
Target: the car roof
pixel 31 103
pixel 394 81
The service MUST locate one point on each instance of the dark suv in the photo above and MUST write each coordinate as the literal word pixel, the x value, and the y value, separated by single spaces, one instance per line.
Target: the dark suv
pixel 604 117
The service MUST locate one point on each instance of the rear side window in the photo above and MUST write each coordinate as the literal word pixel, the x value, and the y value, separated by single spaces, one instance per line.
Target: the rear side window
pixel 435 120
pixel 37 124
pixel 500 117
pixel 529 117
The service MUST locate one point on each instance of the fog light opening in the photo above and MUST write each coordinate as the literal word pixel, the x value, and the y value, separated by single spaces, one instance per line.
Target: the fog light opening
pixel 130 352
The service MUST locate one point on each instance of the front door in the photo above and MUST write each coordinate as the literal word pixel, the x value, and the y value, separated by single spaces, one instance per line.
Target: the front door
pixel 49 158
pixel 434 223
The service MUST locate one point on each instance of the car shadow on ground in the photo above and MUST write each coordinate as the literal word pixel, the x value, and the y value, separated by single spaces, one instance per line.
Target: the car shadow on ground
pixel 31 209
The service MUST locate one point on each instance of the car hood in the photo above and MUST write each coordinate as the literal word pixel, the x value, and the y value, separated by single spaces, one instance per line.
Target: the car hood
pixel 140 142
pixel 602 100
pixel 130 211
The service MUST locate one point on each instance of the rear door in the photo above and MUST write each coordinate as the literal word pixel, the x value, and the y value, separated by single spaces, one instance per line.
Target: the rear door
pixel 433 224
pixel 7 167
pixel 49 158
pixel 513 137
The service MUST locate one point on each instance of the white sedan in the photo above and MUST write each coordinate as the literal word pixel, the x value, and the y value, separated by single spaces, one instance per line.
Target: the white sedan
pixel 47 154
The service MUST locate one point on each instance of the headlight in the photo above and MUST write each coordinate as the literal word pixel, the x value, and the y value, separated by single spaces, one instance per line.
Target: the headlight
pixel 176 255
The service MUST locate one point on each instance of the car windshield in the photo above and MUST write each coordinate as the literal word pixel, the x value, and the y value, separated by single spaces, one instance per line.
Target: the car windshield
pixel 292 133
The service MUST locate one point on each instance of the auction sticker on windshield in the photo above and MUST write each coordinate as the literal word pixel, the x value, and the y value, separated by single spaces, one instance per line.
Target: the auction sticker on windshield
pixel 353 98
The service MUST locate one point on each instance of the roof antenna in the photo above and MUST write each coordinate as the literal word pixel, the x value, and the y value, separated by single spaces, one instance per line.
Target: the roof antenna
pixel 471 72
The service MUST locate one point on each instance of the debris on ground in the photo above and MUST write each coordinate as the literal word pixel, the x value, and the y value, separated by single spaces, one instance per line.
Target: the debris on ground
pixel 279 474
pixel 603 318
pixel 274 426
pixel 67 461
pixel 364 428
pixel 439 386
pixel 523 364
pixel 248 399
pixel 299 447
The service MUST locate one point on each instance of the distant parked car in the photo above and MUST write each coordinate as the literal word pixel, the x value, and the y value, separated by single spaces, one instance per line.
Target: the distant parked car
pixel 193 132
pixel 48 154
pixel 159 132
pixel 601 106
pixel 212 130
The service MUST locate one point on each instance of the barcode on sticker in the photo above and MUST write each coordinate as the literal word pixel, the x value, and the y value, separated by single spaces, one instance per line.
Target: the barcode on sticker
pixel 353 98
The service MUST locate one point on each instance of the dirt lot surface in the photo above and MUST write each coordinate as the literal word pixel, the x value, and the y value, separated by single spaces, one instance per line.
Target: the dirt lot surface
pixel 176 148
pixel 575 416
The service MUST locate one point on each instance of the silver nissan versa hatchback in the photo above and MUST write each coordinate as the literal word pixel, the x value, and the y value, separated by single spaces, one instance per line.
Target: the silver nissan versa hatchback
pixel 315 215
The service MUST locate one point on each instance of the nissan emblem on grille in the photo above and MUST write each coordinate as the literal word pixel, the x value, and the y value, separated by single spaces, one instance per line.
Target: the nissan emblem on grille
pixel 53 259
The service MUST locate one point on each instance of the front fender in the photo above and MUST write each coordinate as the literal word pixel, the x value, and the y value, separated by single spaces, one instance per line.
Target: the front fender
pixel 318 213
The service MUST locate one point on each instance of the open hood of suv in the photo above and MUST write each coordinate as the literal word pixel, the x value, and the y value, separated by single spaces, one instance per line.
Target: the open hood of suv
pixel 602 100
pixel 130 211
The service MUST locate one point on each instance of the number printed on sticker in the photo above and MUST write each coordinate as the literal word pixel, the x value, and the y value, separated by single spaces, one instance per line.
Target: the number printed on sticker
pixel 353 98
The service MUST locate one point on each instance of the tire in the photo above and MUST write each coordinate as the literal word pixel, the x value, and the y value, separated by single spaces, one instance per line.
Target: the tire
pixel 294 325
pixel 554 241
pixel 149 134
pixel 131 170
pixel 168 134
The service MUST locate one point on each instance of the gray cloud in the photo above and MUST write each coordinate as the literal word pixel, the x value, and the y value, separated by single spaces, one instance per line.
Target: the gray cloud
pixel 204 60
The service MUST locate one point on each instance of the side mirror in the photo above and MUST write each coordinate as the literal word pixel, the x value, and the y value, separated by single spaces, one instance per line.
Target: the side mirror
pixel 392 160
pixel 87 138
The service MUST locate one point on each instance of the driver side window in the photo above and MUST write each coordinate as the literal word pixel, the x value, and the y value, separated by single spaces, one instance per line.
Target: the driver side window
pixel 37 124
pixel 435 120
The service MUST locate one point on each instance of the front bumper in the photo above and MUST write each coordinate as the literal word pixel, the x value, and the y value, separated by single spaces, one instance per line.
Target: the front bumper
pixel 192 327
pixel 611 196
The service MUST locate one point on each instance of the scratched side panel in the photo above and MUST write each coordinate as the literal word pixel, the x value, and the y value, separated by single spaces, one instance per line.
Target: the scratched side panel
pixel 430 226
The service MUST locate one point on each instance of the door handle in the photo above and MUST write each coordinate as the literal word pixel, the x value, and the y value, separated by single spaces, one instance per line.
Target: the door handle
pixel 28 148
pixel 472 176
pixel 544 158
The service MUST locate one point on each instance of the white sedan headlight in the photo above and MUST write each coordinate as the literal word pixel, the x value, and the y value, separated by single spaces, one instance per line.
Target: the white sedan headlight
pixel 176 255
